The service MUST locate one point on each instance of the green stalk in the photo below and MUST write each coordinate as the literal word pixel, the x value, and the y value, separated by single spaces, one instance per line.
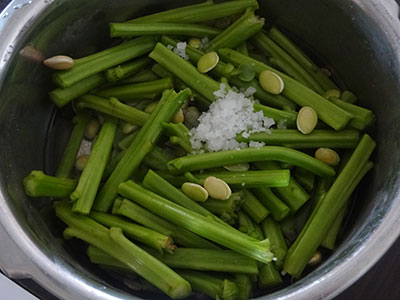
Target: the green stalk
pixel 302 59
pixel 330 238
pixel 113 108
pixel 288 118
pixel 293 195
pixel 253 207
pixel 250 179
pixel 324 215
pixel 243 49
pixel 227 209
pixel 199 12
pixel 137 91
pixel 127 69
pixel 86 67
pixel 245 285
pixel 269 277
pixel 139 233
pixel 141 146
pixel 144 76
pixel 129 30
pixel 248 226
pixel 185 71
pixel 61 96
pixel 349 97
pixel 223 158
pixel 279 210
pixel 265 44
pixel 362 117
pixel 67 162
pixel 89 182
pixel 100 257
pixel 208 260
pixel 210 285
pixel 115 244
pixel 197 223
pixel 305 178
pixel 328 112
pixel 38 184
pixel 126 141
pixel 146 218
pixel 238 32
pixel 273 231
pixel 294 139
pixel 158 159
pixel 181 134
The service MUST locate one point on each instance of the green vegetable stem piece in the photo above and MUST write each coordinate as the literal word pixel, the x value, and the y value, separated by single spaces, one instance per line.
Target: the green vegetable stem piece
pixel 113 108
pixel 199 12
pixel 197 223
pixel 61 96
pixel 38 184
pixel 141 146
pixel 272 230
pixel 129 30
pixel 305 178
pixel 330 238
pixel 127 69
pixel 326 211
pixel 144 76
pixel 226 209
pixel 101 61
pixel 253 207
pixel 146 218
pixel 139 233
pixel 269 277
pixel 137 91
pixel 248 226
pixel 279 210
pixel 219 159
pixel 181 134
pixel 67 162
pixel 113 242
pixel 89 182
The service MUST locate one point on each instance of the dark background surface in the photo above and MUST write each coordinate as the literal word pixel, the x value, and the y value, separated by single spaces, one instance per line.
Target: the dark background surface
pixel 381 282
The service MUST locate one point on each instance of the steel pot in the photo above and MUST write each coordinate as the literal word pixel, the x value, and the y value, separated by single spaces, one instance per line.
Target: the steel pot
pixel 361 38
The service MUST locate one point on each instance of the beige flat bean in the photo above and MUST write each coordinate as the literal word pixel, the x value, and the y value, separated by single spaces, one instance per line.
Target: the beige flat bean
pixel 307 119
pixel 195 43
pixel 179 117
pixel 332 93
pixel 315 259
pixel 81 161
pixel 92 128
pixel 271 82
pixel 328 156
pixel 151 107
pixel 217 188
pixel 195 191
pixel 238 167
pixel 59 62
pixel 128 128
pixel 207 62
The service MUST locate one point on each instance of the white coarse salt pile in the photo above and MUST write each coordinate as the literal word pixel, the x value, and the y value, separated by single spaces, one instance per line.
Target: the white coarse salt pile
pixel 232 113
pixel 180 49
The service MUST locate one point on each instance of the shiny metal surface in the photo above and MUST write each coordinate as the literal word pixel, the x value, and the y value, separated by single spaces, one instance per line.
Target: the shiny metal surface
pixel 360 38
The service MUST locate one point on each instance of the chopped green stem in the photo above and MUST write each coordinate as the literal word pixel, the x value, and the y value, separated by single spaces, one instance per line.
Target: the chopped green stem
pixel 362 117
pixel 243 48
pixel 199 12
pixel 115 244
pixel 325 213
pixel 245 285
pixel 302 59
pixel 141 146
pixel 89 181
pixel 273 232
pixel 38 184
pixel 100 257
pixel 349 97
pixel 146 218
pixel 330 238
pixel 197 223
pixel 158 159
pixel 104 60
pixel 279 210
pixel 137 91
pixel 114 108
pixel 127 69
pixel 180 131
pixel 305 178
pixel 286 118
pixel 227 209
pixel 223 158
pixel 210 285
pixel 295 139
pixel 126 141
pixel 208 260
pixel 129 30
pixel 295 70
pixel 293 195
pixel 250 179
pixel 67 162
pixel 248 226
pixel 269 277
pixel 185 71
pixel 238 32
pixel 61 96
pixel 253 207
pixel 139 233
pixel 146 75
pixel 328 112
pixel 288 227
